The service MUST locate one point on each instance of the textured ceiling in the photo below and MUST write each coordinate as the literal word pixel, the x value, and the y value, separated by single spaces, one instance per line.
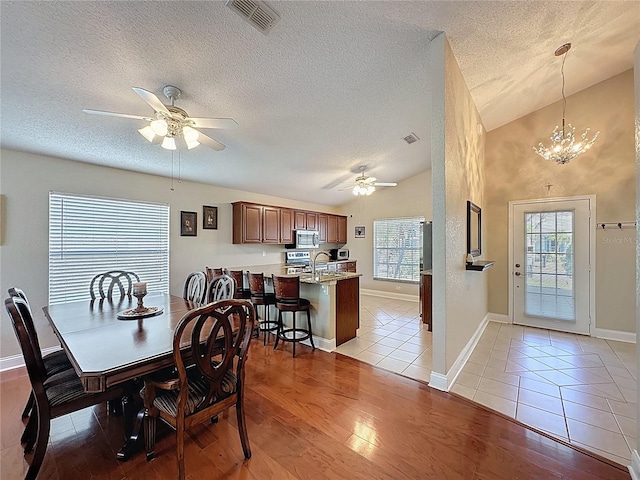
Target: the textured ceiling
pixel 333 86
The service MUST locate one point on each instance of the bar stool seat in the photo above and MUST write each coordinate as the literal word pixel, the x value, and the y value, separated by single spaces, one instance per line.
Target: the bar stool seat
pixel 287 293
pixel 260 297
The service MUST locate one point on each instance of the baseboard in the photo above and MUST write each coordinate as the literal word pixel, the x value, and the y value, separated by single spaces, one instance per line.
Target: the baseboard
pixel 395 296
pixel 634 468
pixel 445 382
pixel 498 317
pixel 16 361
pixel 322 343
pixel 619 335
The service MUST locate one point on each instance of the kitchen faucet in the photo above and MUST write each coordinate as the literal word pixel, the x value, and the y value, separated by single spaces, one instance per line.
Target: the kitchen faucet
pixel 313 262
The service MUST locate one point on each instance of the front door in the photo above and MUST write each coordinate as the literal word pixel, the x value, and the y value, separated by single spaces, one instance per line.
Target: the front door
pixel 551 270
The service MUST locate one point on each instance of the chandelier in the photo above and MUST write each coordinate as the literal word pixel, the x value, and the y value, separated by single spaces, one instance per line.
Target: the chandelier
pixel 563 142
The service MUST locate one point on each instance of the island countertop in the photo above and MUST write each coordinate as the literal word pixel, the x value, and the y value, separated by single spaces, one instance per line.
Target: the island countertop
pixel 321 276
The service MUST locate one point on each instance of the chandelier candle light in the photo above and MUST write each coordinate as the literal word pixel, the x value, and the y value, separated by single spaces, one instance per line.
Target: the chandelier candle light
pixel 563 145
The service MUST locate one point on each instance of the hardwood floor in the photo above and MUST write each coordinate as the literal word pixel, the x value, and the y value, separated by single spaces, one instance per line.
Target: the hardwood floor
pixel 318 416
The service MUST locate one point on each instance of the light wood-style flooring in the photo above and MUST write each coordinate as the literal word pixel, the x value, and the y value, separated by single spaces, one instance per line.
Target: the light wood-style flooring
pixel 318 416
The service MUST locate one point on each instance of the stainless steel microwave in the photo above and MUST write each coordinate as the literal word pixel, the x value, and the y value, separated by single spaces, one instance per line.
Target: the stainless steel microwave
pixel 307 239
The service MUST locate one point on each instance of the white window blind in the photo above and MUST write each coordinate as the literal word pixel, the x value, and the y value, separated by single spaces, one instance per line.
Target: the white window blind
pixel 397 249
pixel 92 235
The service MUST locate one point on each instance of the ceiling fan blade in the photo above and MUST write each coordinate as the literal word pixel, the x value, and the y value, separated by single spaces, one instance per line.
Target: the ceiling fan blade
pixel 113 114
pixel 210 142
pixel 214 122
pixel 152 100
pixel 387 184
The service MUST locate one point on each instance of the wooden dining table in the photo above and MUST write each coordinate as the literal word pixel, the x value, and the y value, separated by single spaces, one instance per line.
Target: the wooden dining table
pixel 106 350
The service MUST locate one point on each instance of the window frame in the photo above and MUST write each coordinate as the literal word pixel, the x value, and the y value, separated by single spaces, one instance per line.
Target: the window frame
pixel 377 224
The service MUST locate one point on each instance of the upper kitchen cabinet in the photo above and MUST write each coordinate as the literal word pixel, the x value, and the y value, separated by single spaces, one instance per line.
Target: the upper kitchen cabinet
pixel 332 229
pixel 342 230
pixel 305 220
pixel 286 225
pixel 322 226
pixel 312 220
pixel 247 223
pixel 270 225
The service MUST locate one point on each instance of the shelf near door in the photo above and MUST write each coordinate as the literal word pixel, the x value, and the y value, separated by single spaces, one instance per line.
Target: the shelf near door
pixel 480 265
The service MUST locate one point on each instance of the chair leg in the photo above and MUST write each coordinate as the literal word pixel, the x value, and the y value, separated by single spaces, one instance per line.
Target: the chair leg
pixel 310 332
pixel 294 335
pixel 149 434
pixel 180 447
pixel 30 431
pixel 266 317
pixel 242 426
pixel 44 425
pixel 278 329
pixel 29 406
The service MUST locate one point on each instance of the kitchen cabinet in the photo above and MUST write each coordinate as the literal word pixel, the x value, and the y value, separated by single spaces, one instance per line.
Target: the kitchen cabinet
pixel 270 225
pixel 425 299
pixel 348 266
pixel 247 223
pixel 342 230
pixel 332 229
pixel 305 220
pixel 322 227
pixel 286 225
pixel 312 220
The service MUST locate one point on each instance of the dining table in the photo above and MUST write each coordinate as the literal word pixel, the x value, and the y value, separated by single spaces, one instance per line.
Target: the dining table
pixel 106 349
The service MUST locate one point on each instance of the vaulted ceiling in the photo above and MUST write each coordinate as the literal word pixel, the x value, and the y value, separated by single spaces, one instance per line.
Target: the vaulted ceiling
pixel 333 86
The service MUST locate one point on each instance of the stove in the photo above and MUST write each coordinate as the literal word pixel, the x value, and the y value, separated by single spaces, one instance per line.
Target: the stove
pixel 297 259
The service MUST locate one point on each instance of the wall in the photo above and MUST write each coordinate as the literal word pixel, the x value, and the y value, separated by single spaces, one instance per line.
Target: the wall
pixel 411 198
pixel 459 296
pixel 515 172
pixel 635 459
pixel 25 185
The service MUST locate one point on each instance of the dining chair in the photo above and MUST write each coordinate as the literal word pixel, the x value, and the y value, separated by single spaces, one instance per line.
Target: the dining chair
pixel 104 283
pixel 52 363
pixel 195 288
pixel 221 287
pixel 238 277
pixel 260 297
pixel 287 292
pixel 212 272
pixel 211 383
pixel 54 396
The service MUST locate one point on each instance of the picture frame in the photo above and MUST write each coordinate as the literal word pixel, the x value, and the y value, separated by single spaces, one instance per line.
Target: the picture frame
pixel 188 224
pixel 209 217
pixel 359 232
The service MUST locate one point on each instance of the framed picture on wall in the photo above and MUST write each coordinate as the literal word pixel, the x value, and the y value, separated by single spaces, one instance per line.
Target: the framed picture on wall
pixel 209 218
pixel 359 232
pixel 188 224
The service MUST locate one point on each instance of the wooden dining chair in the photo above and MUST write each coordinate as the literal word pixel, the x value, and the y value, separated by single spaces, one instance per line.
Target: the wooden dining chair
pixel 195 288
pixel 221 287
pixel 218 335
pixel 238 277
pixel 104 283
pixel 54 396
pixel 52 363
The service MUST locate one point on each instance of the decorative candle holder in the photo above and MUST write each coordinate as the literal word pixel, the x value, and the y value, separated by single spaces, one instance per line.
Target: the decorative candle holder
pixel 139 291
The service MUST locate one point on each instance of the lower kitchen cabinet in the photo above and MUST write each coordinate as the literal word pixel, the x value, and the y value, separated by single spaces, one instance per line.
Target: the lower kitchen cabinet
pixel 425 299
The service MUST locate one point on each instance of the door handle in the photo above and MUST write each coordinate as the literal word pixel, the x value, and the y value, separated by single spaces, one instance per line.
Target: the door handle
pixel 517 274
pixel 517 265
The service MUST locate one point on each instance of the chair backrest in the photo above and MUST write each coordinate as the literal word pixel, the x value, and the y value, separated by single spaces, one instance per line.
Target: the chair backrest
pixel 238 277
pixel 195 288
pixel 220 288
pixel 15 292
pixel 218 335
pixel 256 284
pixel 20 314
pixel 104 283
pixel 286 289
pixel 212 272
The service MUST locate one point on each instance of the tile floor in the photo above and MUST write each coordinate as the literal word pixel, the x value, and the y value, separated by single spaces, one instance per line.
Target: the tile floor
pixel 578 389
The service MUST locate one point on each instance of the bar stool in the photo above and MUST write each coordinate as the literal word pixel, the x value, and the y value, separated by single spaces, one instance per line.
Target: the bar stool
pixel 212 273
pixel 287 293
pixel 238 277
pixel 260 297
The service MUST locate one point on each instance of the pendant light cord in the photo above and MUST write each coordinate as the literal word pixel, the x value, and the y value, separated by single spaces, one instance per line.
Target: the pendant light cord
pixel 564 100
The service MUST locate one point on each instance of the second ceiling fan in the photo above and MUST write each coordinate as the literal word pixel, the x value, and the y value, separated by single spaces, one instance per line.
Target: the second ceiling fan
pixel 170 122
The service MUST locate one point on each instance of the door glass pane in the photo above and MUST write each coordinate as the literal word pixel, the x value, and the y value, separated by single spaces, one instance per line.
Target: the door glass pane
pixel 549 286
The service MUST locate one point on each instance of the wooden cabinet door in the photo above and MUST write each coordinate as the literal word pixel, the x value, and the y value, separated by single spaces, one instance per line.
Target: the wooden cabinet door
pixel 332 229
pixel 299 220
pixel 312 221
pixel 322 227
pixel 342 230
pixel 251 218
pixel 350 267
pixel 270 225
pixel 286 225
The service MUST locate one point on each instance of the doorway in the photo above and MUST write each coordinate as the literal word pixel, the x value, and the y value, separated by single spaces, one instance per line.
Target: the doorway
pixel 551 254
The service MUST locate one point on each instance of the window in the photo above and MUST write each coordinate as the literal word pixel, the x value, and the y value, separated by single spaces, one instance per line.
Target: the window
pixel 92 235
pixel 397 249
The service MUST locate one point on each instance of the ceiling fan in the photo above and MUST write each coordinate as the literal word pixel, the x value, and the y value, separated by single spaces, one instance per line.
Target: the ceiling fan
pixel 170 122
pixel 364 185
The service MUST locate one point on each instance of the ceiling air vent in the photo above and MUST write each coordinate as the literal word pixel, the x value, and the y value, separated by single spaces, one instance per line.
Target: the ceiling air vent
pixel 412 137
pixel 256 13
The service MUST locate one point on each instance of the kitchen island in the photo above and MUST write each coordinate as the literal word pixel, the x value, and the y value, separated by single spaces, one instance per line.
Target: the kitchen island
pixel 335 302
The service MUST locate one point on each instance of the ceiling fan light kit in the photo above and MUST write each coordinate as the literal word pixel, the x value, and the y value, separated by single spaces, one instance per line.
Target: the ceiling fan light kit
pixel 172 122
pixel 365 186
pixel 563 145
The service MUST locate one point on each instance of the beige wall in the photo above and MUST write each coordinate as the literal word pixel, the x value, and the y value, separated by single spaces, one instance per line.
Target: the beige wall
pixel 25 184
pixel 515 172
pixel 460 296
pixel 411 198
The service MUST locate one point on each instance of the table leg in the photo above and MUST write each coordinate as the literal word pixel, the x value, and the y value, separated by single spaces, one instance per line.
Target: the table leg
pixel 132 429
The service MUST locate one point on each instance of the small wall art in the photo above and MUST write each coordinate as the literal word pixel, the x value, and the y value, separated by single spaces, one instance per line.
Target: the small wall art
pixel 359 232
pixel 188 224
pixel 209 218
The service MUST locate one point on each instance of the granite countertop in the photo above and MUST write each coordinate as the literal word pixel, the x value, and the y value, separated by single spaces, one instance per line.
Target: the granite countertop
pixel 322 276
pixel 426 272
